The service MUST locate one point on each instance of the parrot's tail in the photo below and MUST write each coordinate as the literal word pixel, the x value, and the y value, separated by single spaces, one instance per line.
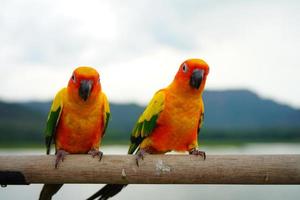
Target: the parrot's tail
pixel 49 190
pixel 107 191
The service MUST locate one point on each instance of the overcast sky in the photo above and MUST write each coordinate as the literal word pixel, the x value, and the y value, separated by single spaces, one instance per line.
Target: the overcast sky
pixel 137 46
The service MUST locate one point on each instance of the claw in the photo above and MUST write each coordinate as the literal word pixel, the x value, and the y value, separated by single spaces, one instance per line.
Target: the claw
pixel 60 156
pixel 94 153
pixel 140 155
pixel 197 152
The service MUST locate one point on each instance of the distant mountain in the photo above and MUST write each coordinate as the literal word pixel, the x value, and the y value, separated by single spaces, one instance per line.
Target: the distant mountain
pixel 243 109
pixel 38 106
pixel 19 124
pixel 228 114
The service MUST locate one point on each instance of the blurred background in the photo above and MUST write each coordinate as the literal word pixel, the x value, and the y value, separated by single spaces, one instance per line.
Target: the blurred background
pixel 252 97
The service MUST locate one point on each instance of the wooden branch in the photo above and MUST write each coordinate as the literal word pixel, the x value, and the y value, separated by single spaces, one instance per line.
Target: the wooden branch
pixel 154 169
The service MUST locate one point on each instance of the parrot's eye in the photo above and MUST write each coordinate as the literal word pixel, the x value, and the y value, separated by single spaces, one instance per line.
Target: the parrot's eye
pixel 184 68
pixel 73 78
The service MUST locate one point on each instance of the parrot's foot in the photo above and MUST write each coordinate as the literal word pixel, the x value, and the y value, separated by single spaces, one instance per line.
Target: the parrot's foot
pixel 197 152
pixel 140 155
pixel 60 156
pixel 95 152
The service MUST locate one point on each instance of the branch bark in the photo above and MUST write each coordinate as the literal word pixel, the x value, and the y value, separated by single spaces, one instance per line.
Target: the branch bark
pixel 154 169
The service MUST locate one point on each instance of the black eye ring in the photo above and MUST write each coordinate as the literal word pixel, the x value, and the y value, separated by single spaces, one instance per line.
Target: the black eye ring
pixel 184 67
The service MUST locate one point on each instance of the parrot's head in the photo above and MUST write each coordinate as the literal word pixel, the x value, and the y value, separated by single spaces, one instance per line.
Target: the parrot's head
pixel 84 84
pixel 191 75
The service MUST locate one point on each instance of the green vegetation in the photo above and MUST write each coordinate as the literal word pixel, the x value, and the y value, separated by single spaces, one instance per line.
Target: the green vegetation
pixel 231 117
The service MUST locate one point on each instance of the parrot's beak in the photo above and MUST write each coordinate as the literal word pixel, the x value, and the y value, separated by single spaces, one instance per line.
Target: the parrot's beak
pixel 85 89
pixel 196 78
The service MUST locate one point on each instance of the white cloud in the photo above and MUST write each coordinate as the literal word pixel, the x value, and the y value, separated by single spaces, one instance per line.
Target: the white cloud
pixel 138 45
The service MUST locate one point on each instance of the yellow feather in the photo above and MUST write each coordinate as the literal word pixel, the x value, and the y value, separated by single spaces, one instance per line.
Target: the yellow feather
pixel 58 101
pixel 155 106
pixel 106 104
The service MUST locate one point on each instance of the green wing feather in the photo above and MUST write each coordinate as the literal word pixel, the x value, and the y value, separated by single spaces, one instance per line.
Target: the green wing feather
pixel 106 113
pixel 53 119
pixel 147 121
pixel 201 116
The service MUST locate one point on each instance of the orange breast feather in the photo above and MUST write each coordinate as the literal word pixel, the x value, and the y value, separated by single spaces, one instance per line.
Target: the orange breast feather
pixel 80 127
pixel 177 125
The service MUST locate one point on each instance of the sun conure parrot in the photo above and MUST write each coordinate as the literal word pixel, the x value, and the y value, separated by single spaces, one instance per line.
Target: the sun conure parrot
pixel 77 120
pixel 171 121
